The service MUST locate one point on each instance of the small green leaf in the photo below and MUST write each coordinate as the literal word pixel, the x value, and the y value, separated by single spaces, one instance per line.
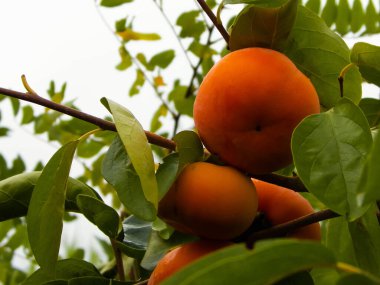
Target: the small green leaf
pixel 113 3
pixel 167 173
pixel 162 59
pixel 126 59
pixel 97 212
pixel 233 263
pixel 156 124
pixel 329 12
pixel 15 105
pixel 371 19
pixel 118 170
pixel 189 148
pixel 371 109
pixel 357 17
pixel 338 140
pixel 263 26
pixel 138 83
pixel 183 103
pixel 136 237
pixel 367 58
pixel 65 270
pixel 130 35
pixel 46 208
pixel 27 115
pixel 343 17
pixel 190 26
pixel 314 5
pixel 3 132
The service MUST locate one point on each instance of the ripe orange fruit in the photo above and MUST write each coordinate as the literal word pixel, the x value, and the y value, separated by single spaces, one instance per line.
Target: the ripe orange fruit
pixel 182 256
pixel 248 105
pixel 210 201
pixel 281 205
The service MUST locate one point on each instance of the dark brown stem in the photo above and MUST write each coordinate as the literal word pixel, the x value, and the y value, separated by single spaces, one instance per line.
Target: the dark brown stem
pixel 341 79
pixel 214 20
pixel 293 182
pixel 283 229
pixel 119 260
pixel 103 124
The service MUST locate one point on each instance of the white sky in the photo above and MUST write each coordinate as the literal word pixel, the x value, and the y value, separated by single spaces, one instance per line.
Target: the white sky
pixel 69 41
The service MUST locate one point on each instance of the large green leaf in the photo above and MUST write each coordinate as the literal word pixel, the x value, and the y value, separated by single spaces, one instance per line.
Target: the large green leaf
pixel 47 206
pixel 329 151
pixel 371 109
pixel 136 144
pixel 15 193
pixel 255 267
pixel 118 170
pixel 321 54
pixel 65 270
pixel 261 26
pixel 367 58
pixel 100 214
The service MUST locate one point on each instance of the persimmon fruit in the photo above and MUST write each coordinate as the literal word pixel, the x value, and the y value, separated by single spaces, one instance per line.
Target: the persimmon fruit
pixel 182 256
pixel 248 105
pixel 280 205
pixel 210 201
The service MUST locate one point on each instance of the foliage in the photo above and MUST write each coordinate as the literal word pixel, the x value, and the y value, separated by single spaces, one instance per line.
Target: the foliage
pixel 336 155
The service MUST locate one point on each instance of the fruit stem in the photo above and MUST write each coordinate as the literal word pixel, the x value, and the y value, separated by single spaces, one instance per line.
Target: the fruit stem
pixel 27 86
pixel 341 76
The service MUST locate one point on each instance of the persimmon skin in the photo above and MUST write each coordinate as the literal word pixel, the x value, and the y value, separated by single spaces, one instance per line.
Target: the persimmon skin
pixel 210 201
pixel 248 106
pixel 281 205
pixel 182 256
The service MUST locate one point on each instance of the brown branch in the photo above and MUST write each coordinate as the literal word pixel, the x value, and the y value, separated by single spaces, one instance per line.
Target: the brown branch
pixel 119 260
pixel 283 229
pixel 293 182
pixel 103 124
pixel 214 20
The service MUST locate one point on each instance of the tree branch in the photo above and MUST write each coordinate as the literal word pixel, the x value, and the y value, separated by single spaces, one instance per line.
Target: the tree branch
pixel 293 183
pixel 282 229
pixel 214 20
pixel 103 124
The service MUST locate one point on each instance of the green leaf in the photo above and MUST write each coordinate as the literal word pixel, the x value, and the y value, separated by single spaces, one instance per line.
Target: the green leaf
pixel 136 144
pixel 371 109
pixel 300 278
pixel 263 26
pixel 158 247
pixel 3 132
pixel 113 3
pixel 65 270
pixel 367 58
pixel 138 83
pixel 156 124
pixel 183 103
pixel 357 17
pixel 189 148
pixel 365 233
pixel 97 281
pixel 167 173
pixel 356 279
pixel 15 193
pixel 130 35
pixel 162 59
pixel 236 263
pixel 321 55
pixel 27 115
pixel 371 19
pixel 15 105
pixel 118 170
pixel 46 208
pixel 369 187
pixel 314 5
pixel 126 59
pixel 136 237
pixel 338 140
pixel 89 148
pixel 100 214
pixel 329 12
pixel 190 26
pixel 343 17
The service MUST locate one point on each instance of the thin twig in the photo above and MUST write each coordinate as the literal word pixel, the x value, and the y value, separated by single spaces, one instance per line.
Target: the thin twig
pixel 214 20
pixel 119 260
pixel 103 124
pixel 282 229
